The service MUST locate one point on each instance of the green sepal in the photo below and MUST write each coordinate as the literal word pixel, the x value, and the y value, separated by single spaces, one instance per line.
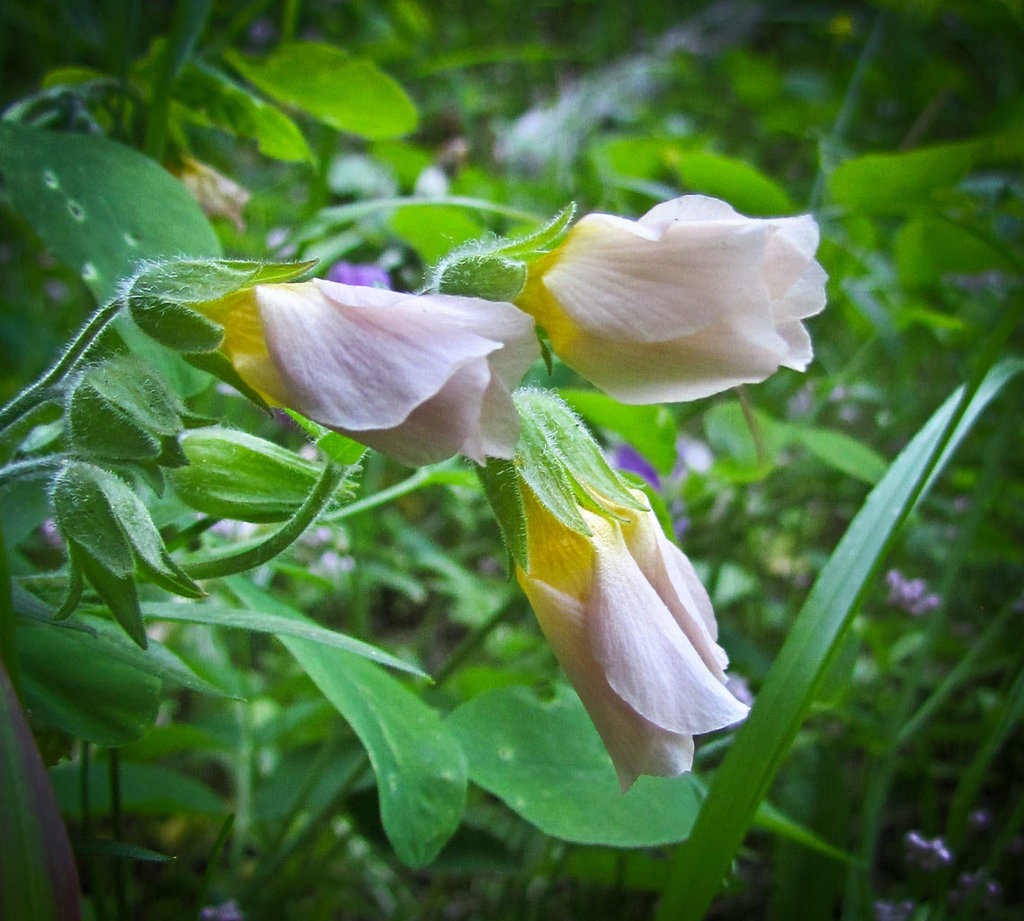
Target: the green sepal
pixel 219 365
pixel 496 268
pixel 176 326
pixel 235 475
pixel 161 296
pixel 563 465
pixel 540 241
pixel 116 591
pixel 121 410
pixel 108 531
pixel 492 277
pixel 501 486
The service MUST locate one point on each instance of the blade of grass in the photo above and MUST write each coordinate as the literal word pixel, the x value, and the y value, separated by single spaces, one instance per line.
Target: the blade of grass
pixel 763 741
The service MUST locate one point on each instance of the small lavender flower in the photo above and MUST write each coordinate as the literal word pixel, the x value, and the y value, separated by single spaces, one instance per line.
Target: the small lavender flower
pixel 969 884
pixel 893 911
pixel 359 273
pixel 928 854
pixel 980 819
pixel 226 911
pixel 911 595
pixel 626 458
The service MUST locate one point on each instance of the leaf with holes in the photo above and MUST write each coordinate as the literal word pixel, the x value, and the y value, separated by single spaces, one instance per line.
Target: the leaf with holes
pixel 101 208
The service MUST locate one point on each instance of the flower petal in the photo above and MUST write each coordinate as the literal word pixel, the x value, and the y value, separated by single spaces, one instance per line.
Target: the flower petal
pixel 636 745
pixel 647 660
pixel 614 280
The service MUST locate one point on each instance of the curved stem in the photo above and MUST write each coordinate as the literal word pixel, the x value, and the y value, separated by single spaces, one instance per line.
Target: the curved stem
pixel 283 538
pixel 45 388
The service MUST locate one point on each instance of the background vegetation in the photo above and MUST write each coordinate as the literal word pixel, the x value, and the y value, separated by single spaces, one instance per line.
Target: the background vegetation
pixel 224 774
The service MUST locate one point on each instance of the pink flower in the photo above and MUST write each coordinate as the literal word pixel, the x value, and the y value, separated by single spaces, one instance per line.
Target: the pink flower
pixel 634 631
pixel 418 377
pixel 691 299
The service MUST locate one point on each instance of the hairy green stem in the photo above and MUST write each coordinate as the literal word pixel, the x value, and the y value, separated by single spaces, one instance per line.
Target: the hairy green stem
pixel 280 540
pixel 46 388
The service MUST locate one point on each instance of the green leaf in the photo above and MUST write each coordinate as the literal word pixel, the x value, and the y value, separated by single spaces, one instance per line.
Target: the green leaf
pixel 274 617
pixel 545 760
pixel 420 768
pixel 929 248
pixel 146 789
pixel 156 659
pixel 72 681
pixel 895 183
pixel 649 429
pixel 99 207
pixel 744 186
pixel 791 685
pixel 118 850
pixel 235 475
pixel 433 229
pixel 206 96
pixel 38 880
pixel 838 450
pixel 345 93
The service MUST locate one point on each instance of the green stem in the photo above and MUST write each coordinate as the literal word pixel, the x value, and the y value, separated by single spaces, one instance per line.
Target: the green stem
pixel 846 109
pixel 243 785
pixel 189 18
pixel 8 650
pixel 290 20
pixel 117 827
pixel 33 466
pixel 280 540
pixel 46 388
pixel 424 476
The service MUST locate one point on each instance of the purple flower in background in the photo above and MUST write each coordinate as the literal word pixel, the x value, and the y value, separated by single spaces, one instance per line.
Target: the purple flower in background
pixel 227 911
pixel 926 853
pixel 629 460
pixel 894 911
pixel 911 595
pixel 359 273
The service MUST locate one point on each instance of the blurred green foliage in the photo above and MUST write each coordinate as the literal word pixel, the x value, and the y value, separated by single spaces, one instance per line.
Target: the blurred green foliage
pixel 390 133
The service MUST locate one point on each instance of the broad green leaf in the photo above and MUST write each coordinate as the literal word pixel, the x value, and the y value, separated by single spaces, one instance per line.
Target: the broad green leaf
pixel 208 97
pixel 895 183
pixel 271 616
pixel 791 684
pixel 545 760
pixel 99 207
pixel 421 772
pixel 744 186
pixel 434 230
pixel 146 789
pixel 74 682
pixel 649 429
pixel 348 94
pixel 38 880
pixel 840 451
pixel 420 768
pixel 156 659
pixel 928 248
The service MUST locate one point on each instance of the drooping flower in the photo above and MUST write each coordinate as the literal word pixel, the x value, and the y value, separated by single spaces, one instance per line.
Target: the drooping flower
pixel 687 301
pixel 633 628
pixel 418 377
